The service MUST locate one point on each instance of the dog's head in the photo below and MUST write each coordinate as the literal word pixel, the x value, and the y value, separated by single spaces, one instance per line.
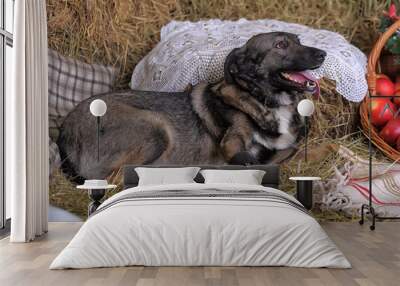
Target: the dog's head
pixel 273 61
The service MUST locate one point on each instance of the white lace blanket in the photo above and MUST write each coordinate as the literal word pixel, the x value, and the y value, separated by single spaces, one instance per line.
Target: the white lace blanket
pixel 191 52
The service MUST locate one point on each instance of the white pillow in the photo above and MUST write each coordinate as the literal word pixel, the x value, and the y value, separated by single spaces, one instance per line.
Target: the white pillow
pixel 165 176
pixel 193 52
pixel 246 177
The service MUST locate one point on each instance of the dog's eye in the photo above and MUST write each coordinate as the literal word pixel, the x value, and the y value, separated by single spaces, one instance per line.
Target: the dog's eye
pixel 281 45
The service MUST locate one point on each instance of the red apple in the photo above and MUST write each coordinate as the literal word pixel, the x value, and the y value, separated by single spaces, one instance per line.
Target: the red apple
pixel 391 132
pixel 382 76
pixel 396 99
pixel 384 86
pixel 382 110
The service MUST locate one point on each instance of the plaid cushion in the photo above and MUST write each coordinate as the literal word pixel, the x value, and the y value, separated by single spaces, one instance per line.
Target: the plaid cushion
pixel 72 81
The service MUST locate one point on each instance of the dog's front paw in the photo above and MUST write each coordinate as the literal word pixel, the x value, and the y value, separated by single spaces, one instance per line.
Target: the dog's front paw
pixel 243 158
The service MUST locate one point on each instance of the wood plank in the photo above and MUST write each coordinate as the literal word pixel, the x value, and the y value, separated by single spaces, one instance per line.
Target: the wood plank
pixel 375 257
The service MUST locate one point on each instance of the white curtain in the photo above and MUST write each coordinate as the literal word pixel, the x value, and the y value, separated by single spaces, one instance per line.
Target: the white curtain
pixel 27 124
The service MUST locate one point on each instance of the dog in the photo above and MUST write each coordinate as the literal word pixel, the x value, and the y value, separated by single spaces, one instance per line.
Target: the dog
pixel 242 119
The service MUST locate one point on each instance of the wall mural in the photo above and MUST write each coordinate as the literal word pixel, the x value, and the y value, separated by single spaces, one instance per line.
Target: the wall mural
pixel 242 119
pixel 206 92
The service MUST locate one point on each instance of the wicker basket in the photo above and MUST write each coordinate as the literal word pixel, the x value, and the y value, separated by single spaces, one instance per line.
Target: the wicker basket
pixel 372 76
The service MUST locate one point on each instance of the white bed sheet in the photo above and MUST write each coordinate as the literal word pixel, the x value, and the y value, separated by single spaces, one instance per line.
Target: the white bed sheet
pixel 200 231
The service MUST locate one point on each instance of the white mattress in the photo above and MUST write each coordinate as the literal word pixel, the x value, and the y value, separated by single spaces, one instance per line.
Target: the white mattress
pixel 191 231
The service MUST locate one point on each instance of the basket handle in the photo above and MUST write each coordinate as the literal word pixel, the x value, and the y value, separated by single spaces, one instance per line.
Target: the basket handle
pixel 375 54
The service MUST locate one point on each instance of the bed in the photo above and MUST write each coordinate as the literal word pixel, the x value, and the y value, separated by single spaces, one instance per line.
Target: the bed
pixel 201 224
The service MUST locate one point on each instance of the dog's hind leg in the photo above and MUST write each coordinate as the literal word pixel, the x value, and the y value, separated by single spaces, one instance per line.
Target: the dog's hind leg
pixel 130 135
pixel 153 145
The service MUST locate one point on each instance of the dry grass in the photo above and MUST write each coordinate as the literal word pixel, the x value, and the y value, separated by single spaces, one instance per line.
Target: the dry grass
pixel 64 194
pixel 120 33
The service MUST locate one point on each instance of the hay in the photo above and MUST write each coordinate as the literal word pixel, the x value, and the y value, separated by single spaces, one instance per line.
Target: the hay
pixel 120 33
pixel 64 194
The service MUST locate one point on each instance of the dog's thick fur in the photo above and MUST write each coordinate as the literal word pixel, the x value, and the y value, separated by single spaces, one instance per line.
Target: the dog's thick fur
pixel 241 119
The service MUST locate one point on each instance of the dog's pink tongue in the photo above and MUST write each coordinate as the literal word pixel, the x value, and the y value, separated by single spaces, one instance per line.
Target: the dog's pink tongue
pixel 304 76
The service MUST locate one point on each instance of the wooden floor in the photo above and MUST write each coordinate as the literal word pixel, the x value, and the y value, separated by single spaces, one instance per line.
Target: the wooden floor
pixel 375 257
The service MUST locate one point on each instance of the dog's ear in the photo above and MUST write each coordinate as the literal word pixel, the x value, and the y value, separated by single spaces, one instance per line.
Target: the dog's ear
pixel 232 63
pixel 240 69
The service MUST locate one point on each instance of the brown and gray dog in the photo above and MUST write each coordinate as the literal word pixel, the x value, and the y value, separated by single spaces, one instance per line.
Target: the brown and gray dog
pixel 240 120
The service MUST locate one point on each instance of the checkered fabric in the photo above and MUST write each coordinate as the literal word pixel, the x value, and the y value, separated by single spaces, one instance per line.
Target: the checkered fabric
pixel 72 81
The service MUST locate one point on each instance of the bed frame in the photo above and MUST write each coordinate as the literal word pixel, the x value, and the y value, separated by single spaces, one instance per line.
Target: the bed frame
pixel 270 179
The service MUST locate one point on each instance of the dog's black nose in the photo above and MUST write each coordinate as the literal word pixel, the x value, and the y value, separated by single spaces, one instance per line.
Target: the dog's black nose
pixel 320 55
